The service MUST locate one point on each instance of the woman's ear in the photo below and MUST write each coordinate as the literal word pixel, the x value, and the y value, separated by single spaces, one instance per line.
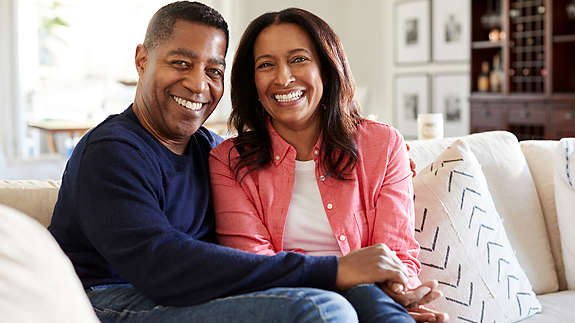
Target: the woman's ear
pixel 141 59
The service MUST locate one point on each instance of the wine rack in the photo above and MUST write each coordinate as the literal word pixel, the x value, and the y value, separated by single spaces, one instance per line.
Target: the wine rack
pixel 535 40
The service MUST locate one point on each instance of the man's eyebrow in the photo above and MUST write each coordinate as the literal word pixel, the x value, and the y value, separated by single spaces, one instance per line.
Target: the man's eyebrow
pixel 193 55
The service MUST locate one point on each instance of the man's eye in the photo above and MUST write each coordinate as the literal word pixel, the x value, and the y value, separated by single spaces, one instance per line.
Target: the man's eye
pixel 180 64
pixel 216 72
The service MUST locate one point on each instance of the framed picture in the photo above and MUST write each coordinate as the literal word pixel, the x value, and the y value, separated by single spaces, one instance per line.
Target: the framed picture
pixel 412 44
pixel 451 97
pixel 411 97
pixel 451 30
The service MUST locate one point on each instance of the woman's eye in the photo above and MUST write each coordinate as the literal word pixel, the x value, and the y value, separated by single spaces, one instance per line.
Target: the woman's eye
pixel 300 59
pixel 264 65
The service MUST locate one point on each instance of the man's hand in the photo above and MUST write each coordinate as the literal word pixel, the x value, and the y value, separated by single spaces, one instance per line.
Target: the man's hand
pixel 376 263
pixel 414 299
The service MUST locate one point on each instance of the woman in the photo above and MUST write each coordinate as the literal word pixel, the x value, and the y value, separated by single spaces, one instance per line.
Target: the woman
pixel 306 173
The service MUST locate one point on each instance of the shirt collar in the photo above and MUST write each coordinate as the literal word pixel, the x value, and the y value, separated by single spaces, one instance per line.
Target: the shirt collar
pixel 281 149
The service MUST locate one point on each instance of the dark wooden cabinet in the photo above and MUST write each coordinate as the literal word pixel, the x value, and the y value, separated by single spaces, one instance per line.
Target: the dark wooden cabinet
pixel 534 42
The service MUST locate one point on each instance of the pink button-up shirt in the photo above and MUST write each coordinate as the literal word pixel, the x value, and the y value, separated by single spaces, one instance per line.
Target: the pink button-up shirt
pixel 375 206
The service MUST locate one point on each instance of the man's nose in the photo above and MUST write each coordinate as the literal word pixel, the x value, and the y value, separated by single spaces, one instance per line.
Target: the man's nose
pixel 196 80
pixel 284 75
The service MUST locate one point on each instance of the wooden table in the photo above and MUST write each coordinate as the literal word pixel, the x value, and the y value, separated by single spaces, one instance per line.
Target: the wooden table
pixel 53 126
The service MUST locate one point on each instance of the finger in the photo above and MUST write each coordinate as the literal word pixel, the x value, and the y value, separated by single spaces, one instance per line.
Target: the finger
pixel 415 296
pixel 439 316
pixel 430 297
pixel 397 288
pixel 422 317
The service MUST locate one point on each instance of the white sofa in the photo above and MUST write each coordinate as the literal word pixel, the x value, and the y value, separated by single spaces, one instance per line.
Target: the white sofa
pixel 511 168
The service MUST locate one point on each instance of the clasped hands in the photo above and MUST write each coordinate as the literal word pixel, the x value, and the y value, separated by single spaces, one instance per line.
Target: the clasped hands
pixel 378 263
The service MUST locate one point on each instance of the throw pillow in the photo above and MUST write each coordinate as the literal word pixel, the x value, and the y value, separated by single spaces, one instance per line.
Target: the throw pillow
pixel 37 281
pixel 464 245
pixel 565 204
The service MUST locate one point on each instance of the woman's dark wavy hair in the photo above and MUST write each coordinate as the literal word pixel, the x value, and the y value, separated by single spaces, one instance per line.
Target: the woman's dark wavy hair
pixel 339 109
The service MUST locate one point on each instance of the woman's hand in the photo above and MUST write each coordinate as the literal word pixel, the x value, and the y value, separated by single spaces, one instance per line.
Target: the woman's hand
pixel 412 164
pixel 414 299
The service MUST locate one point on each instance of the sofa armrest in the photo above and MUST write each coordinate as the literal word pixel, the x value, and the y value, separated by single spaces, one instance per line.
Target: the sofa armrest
pixel 35 198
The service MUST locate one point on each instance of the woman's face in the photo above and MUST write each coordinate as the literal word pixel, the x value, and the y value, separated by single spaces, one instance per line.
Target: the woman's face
pixel 288 76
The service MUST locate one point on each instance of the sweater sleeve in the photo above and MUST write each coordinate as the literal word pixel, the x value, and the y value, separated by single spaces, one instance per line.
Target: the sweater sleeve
pixel 394 212
pixel 119 210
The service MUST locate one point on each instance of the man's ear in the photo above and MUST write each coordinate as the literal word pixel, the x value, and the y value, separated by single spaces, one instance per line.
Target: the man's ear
pixel 141 59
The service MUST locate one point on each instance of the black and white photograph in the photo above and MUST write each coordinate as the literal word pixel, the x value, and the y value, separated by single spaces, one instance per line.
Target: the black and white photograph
pixel 411 98
pixel 451 98
pixel 451 30
pixel 412 36
pixel 411 32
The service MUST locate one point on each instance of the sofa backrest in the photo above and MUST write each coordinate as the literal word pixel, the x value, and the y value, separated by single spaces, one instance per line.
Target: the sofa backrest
pixel 514 194
pixel 35 198
pixel 539 154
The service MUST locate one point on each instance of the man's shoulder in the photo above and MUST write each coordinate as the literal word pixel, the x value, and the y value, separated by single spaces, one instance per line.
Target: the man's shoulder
pixel 212 139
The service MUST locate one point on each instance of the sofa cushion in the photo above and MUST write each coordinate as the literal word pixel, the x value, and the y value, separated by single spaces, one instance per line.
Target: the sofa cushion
pixel 557 307
pixel 37 281
pixel 510 181
pixel 464 245
pixel 537 154
pixel 32 197
pixel 565 203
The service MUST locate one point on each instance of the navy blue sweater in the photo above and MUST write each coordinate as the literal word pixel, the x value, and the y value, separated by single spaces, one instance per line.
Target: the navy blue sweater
pixel 130 210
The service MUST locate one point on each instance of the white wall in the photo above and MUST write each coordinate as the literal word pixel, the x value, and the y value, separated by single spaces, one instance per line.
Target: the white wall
pixel 9 119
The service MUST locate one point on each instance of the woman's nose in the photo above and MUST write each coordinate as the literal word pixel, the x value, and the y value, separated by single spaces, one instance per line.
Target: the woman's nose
pixel 284 76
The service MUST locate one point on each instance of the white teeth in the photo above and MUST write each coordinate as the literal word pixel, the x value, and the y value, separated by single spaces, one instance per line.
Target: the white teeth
pixel 292 96
pixel 195 106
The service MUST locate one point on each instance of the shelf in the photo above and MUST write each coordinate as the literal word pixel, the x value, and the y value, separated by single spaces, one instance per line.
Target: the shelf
pixel 524 19
pixel 528 49
pixel 564 38
pixel 487 95
pixel 529 33
pixel 526 4
pixel 486 44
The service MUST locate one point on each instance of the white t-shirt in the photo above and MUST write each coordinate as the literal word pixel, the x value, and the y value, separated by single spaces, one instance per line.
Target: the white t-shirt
pixel 307 226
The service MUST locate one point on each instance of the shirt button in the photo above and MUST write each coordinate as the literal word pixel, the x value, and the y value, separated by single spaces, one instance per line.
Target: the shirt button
pixel 329 206
pixel 316 152
pixel 322 178
pixel 277 157
pixel 342 238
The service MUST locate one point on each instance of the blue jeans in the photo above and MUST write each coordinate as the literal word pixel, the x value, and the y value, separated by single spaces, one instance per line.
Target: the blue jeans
pixel 123 303
pixel 373 305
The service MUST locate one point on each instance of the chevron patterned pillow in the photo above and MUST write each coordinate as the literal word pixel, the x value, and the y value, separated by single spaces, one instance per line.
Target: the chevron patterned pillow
pixel 464 245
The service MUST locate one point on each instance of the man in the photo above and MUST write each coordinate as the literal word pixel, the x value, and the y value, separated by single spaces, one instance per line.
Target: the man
pixel 134 212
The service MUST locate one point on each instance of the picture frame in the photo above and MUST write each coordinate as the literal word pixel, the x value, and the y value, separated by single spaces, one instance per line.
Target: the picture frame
pixel 412 32
pixel 410 98
pixel 451 98
pixel 451 30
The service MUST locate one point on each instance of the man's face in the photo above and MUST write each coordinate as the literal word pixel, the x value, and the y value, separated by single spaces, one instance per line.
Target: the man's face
pixel 181 81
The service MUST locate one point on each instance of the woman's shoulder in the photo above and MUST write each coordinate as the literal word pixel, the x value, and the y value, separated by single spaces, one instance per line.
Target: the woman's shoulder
pixel 223 149
pixel 374 132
